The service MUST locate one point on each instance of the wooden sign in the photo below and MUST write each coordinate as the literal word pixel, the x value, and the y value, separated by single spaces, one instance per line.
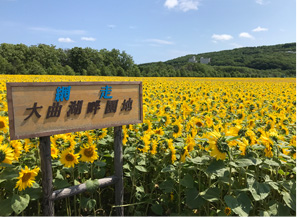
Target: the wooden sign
pixel 44 109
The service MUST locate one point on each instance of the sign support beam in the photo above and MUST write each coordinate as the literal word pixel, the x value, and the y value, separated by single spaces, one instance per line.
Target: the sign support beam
pixel 118 166
pixel 47 175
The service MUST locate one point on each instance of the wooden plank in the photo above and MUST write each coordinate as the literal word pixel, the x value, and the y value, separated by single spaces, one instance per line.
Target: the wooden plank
pixel 78 189
pixel 23 98
pixel 47 176
pixel 118 165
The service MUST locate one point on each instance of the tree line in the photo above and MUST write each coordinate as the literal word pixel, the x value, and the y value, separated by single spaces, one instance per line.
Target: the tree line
pixel 264 61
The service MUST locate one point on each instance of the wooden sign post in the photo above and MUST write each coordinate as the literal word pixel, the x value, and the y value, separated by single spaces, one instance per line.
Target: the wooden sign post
pixel 45 109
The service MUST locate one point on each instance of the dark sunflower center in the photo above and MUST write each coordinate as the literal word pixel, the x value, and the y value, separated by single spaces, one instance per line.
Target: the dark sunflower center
pixel 175 128
pixel 26 177
pixel 222 145
pixel 198 124
pixel 89 152
pixel 2 156
pixel 240 116
pixel 158 132
pixel 2 124
pixel 228 211
pixel 145 127
pixel 69 157
pixel 84 139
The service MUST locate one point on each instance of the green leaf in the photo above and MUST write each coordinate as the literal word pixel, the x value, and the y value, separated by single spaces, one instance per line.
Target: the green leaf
pixel 215 167
pixel 91 204
pixel 157 209
pixel 83 168
pixel 6 165
pixel 141 168
pixel 273 209
pixel 92 185
pixel 167 186
pixel 231 138
pixel 193 199
pixel 290 200
pixel 59 184
pixel 5 207
pixel 211 194
pixel 140 189
pixel 187 181
pixel 271 162
pixel 245 202
pixel 240 205
pixel 100 163
pixel 76 182
pixel 59 175
pixel 259 190
pixel 88 203
pixel 283 210
pixel 245 162
pixel 19 203
pixel 9 174
pixel 167 169
pixel 34 193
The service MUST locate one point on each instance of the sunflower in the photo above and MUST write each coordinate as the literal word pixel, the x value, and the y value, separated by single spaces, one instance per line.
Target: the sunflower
pixel 190 143
pixel 227 211
pixel 218 145
pixel 54 152
pixel 177 128
pixel 57 140
pixel 17 148
pixel 208 121
pixel 197 122
pixel 68 158
pixel 3 124
pixel 243 145
pixel 168 119
pixel 147 126
pixel 88 153
pixel 154 147
pixel 172 149
pixel 185 154
pixel 159 131
pixel 125 137
pixel 6 154
pixel 146 143
pixel 100 133
pixel 26 178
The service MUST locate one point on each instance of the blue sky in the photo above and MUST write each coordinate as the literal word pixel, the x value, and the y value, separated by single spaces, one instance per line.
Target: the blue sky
pixel 149 30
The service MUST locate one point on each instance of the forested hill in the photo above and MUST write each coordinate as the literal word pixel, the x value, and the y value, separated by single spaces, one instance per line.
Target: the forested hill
pixel 264 61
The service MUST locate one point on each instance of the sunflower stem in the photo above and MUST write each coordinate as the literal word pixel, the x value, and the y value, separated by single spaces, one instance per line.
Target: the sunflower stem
pixel 75 209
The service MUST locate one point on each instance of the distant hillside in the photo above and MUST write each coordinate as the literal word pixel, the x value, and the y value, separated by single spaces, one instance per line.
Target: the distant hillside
pixel 263 61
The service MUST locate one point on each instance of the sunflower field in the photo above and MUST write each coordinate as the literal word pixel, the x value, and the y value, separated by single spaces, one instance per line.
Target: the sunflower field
pixel 207 146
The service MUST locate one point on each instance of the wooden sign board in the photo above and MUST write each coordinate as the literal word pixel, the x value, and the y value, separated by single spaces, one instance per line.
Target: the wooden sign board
pixel 44 109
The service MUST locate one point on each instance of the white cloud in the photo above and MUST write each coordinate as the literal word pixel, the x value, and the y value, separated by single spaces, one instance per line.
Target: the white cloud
pixel 183 5
pixel 65 40
pixel 259 29
pixel 58 31
pixel 262 2
pixel 171 3
pixel 159 41
pixel 88 39
pixel 223 37
pixel 246 35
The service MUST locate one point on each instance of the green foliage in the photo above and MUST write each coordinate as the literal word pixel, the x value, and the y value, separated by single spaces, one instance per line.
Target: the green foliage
pixel 264 61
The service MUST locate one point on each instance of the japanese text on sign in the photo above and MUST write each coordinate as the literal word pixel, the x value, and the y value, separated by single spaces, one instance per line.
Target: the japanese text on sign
pixel 65 107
